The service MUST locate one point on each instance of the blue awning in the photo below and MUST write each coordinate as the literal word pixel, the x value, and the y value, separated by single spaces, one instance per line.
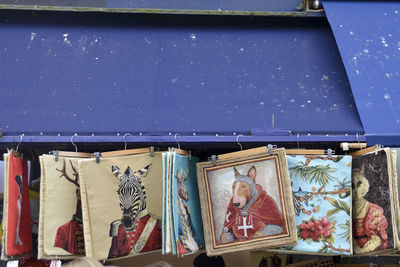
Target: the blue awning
pixel 66 73
pixel 368 37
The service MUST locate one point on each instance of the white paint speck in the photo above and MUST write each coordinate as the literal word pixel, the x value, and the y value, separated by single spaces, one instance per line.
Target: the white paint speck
pixel 241 49
pixel 292 101
pixel 147 40
pixel 262 103
pixel 33 35
pixel 386 96
pixel 65 35
pixel 396 11
pixel 366 51
pixel 351 33
pixel 193 36
pixel 174 80
pixel 308 101
pixel 357 71
pixel 341 25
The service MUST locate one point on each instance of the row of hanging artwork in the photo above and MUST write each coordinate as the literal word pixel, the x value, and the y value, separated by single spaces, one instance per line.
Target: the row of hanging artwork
pixel 129 202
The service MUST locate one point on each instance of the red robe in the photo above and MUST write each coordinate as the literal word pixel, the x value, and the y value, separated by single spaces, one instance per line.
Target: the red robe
pixel 263 211
pixel 70 238
pixel 124 242
pixel 18 167
pixel 366 227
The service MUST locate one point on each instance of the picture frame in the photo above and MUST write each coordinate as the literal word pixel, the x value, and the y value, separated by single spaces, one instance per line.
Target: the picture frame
pixel 246 201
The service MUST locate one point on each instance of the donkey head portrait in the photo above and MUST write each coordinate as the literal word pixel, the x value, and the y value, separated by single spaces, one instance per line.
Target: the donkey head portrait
pixel 182 190
pixel 132 194
pixel 244 188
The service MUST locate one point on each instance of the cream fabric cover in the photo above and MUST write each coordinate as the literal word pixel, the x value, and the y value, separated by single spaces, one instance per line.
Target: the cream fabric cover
pixel 100 200
pixel 57 204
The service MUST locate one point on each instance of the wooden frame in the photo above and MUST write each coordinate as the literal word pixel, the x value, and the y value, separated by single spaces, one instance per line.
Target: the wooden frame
pixel 208 174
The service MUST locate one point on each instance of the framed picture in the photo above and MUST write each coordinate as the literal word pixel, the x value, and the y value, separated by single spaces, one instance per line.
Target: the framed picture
pixel 246 201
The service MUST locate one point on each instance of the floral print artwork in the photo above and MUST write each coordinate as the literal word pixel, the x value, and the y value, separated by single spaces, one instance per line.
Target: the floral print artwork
pixel 321 191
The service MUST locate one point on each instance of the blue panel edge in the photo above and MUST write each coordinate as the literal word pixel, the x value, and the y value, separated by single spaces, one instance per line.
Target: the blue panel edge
pixel 184 139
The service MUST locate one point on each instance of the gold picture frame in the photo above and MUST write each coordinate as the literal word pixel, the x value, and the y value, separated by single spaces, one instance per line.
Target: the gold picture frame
pixel 246 201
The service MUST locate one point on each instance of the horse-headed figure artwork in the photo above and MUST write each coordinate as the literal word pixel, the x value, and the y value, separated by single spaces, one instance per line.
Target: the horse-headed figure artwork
pixel 137 231
pixel 370 223
pixel 188 239
pixel 251 212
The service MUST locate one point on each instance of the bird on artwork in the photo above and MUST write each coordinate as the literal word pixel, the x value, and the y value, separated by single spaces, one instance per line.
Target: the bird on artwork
pixel 299 197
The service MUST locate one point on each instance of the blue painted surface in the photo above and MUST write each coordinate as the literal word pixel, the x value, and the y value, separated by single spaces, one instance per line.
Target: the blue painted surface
pixel 103 73
pixel 231 5
pixel 368 36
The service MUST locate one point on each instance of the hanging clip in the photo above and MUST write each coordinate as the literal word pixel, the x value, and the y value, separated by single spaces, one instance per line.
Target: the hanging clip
pixel 54 153
pixel 271 148
pixel 213 158
pixel 97 156
pixel 345 146
pixel 377 148
pixel 330 152
pixel 151 151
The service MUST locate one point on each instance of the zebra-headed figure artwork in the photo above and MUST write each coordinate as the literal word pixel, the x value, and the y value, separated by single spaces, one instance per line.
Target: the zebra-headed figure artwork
pixel 137 230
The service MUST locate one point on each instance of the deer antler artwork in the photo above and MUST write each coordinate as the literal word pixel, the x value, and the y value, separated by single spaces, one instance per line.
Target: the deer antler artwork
pixel 64 173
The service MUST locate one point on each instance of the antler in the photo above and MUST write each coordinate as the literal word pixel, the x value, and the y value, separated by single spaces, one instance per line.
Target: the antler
pixel 64 173
pixel 182 176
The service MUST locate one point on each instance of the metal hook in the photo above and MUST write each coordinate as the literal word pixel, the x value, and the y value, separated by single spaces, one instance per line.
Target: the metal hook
pixel 20 141
pixel 237 141
pixel 298 144
pixel 358 140
pixel 125 135
pixel 176 140
pixel 72 141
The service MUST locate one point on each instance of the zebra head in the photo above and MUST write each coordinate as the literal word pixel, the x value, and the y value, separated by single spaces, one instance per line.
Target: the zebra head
pixel 132 194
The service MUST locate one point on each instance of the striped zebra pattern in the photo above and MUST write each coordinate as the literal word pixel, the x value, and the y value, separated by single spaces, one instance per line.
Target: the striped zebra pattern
pixel 131 191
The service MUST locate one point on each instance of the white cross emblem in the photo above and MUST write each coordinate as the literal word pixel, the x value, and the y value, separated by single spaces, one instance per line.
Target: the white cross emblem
pixel 244 226
pixel 227 217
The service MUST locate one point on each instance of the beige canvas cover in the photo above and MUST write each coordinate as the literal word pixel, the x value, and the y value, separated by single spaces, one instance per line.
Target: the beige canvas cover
pixel 100 199
pixel 58 204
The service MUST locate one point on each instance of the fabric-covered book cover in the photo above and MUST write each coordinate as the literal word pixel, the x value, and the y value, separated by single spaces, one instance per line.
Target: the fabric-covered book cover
pixel 374 203
pixel 321 191
pixel 187 222
pixel 17 231
pixel 60 223
pixel 121 205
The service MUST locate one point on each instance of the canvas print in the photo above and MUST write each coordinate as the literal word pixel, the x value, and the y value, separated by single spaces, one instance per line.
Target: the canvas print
pixel 373 209
pixel 247 203
pixel 321 191
pixel 60 219
pixel 17 231
pixel 187 222
pixel 70 235
pixel 121 205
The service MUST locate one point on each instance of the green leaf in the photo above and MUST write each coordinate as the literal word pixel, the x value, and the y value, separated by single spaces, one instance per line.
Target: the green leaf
pixel 333 202
pixel 332 211
pixel 345 207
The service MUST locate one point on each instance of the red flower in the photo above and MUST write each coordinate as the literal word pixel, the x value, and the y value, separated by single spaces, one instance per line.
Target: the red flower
pixel 315 229
pixel 326 226
pixel 306 229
